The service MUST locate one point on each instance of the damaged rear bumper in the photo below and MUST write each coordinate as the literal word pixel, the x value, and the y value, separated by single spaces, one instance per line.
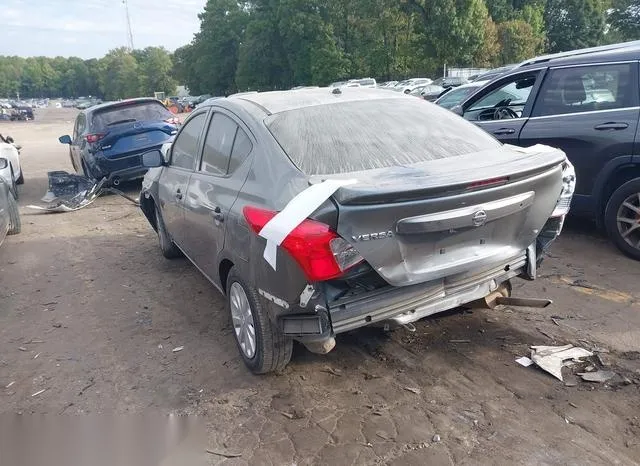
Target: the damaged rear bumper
pixel 408 304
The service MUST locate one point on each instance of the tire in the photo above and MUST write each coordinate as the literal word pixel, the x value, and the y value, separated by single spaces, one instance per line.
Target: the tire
pixel 20 179
pixel 167 246
pixel 625 203
pixel 73 163
pixel 14 188
pixel 272 349
pixel 14 216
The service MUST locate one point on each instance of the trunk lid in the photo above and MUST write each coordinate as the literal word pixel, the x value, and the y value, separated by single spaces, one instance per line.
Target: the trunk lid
pixel 427 221
pixel 125 138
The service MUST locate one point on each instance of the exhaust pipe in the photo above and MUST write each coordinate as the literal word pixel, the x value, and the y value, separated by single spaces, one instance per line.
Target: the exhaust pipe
pixel 502 297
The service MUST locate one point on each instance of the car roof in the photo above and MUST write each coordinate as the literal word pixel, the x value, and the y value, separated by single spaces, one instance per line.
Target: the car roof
pixel 473 84
pixel 282 101
pixel 119 103
pixel 615 52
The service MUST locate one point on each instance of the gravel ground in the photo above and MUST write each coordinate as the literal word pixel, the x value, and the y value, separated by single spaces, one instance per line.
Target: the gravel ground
pixel 91 313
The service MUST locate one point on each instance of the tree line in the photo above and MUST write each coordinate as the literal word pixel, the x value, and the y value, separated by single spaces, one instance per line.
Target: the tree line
pixel 119 74
pixel 277 44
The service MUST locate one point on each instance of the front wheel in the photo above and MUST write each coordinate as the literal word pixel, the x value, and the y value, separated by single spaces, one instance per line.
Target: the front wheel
pixel 14 188
pixel 263 347
pixel 622 218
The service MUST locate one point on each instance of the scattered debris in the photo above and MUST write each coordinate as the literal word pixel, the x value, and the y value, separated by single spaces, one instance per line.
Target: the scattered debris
pixel 332 371
pixel 39 392
pixel 552 358
pixel 22 348
pixel 160 346
pixel 36 356
pixel 413 390
pixel 87 387
pixel 178 349
pixel 598 376
pixel 287 415
pixel 57 325
pixel 524 361
pixel 459 341
pixel 573 405
pixel 544 333
pixel 368 376
pixel 223 454
pixel 10 384
pixel 436 438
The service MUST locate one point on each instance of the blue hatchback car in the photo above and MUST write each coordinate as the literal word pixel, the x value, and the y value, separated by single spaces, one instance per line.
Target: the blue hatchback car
pixel 109 139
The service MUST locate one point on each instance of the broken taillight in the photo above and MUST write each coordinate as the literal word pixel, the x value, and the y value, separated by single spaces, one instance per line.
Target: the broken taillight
pixel 95 137
pixel 317 249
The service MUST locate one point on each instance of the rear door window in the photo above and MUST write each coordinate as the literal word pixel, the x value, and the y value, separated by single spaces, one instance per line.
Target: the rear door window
pixel 184 151
pixel 218 144
pixel 586 89
pixel 242 147
pixel 145 111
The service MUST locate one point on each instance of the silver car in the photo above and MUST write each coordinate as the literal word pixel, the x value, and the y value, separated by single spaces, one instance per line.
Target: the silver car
pixel 9 213
pixel 320 211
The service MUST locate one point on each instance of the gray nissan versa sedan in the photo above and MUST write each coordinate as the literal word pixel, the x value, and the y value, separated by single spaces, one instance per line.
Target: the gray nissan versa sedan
pixel 323 210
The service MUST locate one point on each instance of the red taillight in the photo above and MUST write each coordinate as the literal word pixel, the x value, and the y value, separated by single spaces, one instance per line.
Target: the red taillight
pixel 173 121
pixel 489 182
pixel 91 138
pixel 317 249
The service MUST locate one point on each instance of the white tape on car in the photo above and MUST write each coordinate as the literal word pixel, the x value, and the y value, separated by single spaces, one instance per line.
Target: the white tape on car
pixel 296 211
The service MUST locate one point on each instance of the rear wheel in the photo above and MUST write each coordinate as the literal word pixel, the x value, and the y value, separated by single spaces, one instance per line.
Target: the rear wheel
pixel 167 246
pixel 263 347
pixel 20 179
pixel 622 218
pixel 14 216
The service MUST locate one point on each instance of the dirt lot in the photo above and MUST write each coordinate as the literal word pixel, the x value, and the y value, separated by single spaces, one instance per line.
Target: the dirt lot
pixel 90 312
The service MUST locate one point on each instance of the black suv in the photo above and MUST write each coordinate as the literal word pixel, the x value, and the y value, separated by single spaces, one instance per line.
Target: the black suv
pixel 587 103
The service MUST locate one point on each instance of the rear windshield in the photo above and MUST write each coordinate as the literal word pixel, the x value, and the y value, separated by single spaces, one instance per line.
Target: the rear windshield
pixel 144 111
pixel 354 136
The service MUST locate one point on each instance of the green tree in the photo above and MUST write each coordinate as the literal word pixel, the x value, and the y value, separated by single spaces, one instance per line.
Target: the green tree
pixel 119 76
pixel 519 41
pixel 156 69
pixel 575 24
pixel 624 19
pixel 216 46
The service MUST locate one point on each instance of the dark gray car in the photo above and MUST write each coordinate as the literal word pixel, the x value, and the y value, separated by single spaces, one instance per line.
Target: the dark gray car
pixel 429 212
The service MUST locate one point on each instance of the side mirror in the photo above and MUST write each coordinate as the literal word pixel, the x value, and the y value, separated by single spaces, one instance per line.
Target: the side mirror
pixel 152 159
pixel 3 164
pixel 9 139
pixel 457 109
pixel 165 149
pixel 66 139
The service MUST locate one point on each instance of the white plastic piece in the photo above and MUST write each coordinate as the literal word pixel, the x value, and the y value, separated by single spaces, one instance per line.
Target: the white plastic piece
pixel 296 211
pixel 306 294
pixel 524 361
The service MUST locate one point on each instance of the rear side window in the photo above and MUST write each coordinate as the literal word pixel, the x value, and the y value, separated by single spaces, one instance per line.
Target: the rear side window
pixel 145 111
pixel 217 146
pixel 586 89
pixel 353 136
pixel 242 147
pixel 184 151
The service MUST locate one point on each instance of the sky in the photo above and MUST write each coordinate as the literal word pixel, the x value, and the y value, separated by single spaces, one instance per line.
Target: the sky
pixel 90 28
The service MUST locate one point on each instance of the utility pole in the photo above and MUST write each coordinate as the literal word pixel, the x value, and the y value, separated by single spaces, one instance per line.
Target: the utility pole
pixel 130 32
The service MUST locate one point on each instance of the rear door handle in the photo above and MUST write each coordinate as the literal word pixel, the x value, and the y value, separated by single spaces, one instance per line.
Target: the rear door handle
pixel 178 194
pixel 217 214
pixel 611 125
pixel 501 131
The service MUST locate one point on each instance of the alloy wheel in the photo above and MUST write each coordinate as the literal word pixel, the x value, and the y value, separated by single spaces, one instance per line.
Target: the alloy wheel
pixel 242 317
pixel 628 219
